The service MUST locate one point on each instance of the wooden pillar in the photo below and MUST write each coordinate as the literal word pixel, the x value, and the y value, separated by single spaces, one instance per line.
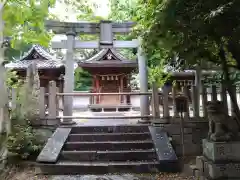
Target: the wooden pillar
pixel 97 89
pixel 69 78
pixel 129 90
pixel 93 89
pixel 121 88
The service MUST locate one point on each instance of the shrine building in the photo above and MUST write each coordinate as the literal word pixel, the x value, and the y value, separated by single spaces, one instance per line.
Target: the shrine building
pixel 111 73
pixel 49 68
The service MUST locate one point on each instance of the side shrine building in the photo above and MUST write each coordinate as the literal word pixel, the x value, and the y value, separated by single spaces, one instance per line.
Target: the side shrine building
pixel 111 73
pixel 49 68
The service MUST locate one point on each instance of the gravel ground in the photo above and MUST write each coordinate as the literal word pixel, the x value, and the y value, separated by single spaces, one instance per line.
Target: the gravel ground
pixel 15 173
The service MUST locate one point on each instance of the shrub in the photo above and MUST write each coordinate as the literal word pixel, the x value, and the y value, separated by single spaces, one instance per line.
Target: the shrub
pixel 23 142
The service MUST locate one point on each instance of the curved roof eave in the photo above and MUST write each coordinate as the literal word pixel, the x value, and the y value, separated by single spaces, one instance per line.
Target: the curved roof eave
pixel 40 51
pixel 103 52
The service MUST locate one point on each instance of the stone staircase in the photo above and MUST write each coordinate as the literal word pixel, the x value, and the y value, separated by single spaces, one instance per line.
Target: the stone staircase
pixel 102 150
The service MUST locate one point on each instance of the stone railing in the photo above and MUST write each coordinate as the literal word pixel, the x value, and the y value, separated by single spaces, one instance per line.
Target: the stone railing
pixel 165 105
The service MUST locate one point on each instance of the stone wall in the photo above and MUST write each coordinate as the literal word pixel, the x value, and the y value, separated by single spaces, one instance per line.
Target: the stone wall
pixel 194 132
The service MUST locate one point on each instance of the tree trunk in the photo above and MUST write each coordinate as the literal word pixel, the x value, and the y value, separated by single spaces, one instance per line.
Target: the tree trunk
pixel 229 84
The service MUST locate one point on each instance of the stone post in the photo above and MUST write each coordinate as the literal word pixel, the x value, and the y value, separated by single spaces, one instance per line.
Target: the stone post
pixel 69 78
pixel 42 109
pixel 52 98
pixel 195 101
pixel 166 114
pixel 224 98
pixel 196 91
pixel 174 94
pixel 204 100
pixel 143 76
pixel 185 91
pixel 155 103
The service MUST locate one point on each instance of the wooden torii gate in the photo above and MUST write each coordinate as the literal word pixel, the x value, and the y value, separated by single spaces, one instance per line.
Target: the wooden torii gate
pixel 106 29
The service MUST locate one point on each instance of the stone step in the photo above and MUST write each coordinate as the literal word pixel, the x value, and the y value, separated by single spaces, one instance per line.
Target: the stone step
pixel 109 137
pixel 108 145
pixel 109 129
pixel 130 155
pixel 69 167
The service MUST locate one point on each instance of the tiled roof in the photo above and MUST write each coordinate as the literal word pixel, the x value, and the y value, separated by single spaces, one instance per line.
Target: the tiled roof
pixel 107 56
pixel 41 64
pixel 40 56
pixel 104 52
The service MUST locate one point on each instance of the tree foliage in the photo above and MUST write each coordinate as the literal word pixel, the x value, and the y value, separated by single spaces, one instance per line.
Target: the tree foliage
pixel 196 31
pixel 83 80
pixel 24 21
pixel 193 30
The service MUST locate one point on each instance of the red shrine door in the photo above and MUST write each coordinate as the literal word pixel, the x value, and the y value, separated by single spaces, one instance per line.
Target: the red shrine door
pixel 109 84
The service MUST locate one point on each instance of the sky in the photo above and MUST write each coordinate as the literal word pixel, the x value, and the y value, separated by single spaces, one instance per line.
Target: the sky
pixel 62 13
pixel 70 16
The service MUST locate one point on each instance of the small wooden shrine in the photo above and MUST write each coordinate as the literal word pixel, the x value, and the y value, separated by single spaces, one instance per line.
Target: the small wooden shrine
pixel 111 74
pixel 49 67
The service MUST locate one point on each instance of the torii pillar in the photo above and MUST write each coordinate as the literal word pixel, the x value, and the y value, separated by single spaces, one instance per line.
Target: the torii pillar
pixel 69 78
pixel 143 76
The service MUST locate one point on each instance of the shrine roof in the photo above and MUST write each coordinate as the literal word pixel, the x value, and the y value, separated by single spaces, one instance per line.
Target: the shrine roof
pixel 108 58
pixel 38 55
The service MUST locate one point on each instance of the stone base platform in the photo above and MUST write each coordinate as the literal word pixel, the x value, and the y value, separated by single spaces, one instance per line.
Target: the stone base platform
pixel 220 160
pixel 222 170
pixel 221 151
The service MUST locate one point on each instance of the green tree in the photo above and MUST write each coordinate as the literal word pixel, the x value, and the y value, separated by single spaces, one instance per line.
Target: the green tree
pixel 83 80
pixel 195 31
pixel 24 21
